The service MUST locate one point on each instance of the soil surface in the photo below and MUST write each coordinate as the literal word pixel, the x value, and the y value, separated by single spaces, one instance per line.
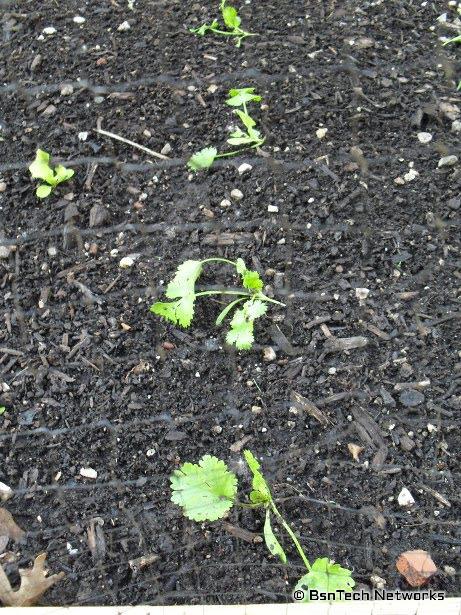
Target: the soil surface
pixel 90 379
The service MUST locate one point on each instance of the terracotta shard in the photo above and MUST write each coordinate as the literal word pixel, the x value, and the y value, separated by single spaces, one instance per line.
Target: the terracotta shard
pixel 416 566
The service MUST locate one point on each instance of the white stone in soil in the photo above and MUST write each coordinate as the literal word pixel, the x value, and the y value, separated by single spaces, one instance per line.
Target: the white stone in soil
pixel 5 492
pixel 79 19
pixel 244 168
pixel 424 137
pixel 273 209
pixel 448 161
pixel 88 473
pixel 405 498
pixel 49 30
pixel 123 27
pixel 126 262
pixel 321 132
pixel 237 194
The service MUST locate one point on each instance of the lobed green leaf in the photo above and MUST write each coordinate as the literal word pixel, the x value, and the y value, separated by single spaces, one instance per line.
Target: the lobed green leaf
pixel 202 159
pixel 184 280
pixel 205 491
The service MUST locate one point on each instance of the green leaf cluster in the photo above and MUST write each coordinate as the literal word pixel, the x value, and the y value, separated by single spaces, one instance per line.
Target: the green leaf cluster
pixel 182 290
pixel 247 136
pixel 41 169
pixel 232 22
pixel 207 491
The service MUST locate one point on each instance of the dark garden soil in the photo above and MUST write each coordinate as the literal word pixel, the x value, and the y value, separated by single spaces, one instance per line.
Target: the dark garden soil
pixel 91 379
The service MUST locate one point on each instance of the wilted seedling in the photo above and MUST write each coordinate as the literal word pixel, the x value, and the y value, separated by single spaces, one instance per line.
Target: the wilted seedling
pixel 41 169
pixel 249 137
pixel 208 490
pixel 182 290
pixel 232 22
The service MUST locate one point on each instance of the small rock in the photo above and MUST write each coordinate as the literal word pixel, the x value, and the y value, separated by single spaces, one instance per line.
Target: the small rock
pixel 36 62
pixel 88 473
pixel 225 203
pixel 216 429
pixel 424 137
pixel 123 27
pixel 273 209
pixel 5 251
pixel 411 398
pixel 321 132
pixel 50 110
pixel 452 203
pixel 399 181
pixel 52 251
pixel 416 566
pixel 126 262
pixel 448 161
pixel 166 149
pixel 93 249
pixel 269 354
pixel 405 499
pixel 237 194
pixel 5 492
pixel 377 581
pixel 98 215
pixel 49 30
pixel 450 570
pixel 362 293
pixel 406 443
pixel 355 450
pixel 456 126
pixel 411 175
pixel 2 186
pixel 99 99
pixel 79 19
pixel 66 90
pixel 150 452
pixel 82 136
pixel 212 88
pixel 431 428
pixel 244 168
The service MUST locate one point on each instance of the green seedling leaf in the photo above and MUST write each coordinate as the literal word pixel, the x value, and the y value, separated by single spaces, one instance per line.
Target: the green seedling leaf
pixel 241 96
pixel 230 17
pixel 241 332
pixel 255 309
pixel 252 281
pixel 62 174
pixel 180 312
pixel 325 576
pixel 43 191
pixel 202 30
pixel 206 491
pixel 240 266
pixel 271 541
pixel 456 39
pixel 227 309
pixel 2 410
pixel 184 280
pixel 247 120
pixel 261 493
pixel 203 159
pixel 40 168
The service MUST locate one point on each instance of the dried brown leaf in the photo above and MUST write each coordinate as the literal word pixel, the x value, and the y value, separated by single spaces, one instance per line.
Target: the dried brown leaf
pixel 9 527
pixel 34 583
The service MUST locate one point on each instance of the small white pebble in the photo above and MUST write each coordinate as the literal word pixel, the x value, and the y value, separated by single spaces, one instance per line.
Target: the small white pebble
pixel 49 30
pixel 424 137
pixel 123 27
pixel 225 203
pixel 321 132
pixel 150 452
pixel 244 168
pixel 273 209
pixel 448 161
pixel 5 492
pixel 126 262
pixel 405 498
pixel 269 354
pixel 79 19
pixel 82 136
pixel 237 194
pixel 52 251
pixel 431 428
pixel 263 429
pixel 411 175
pixel 88 473
pixel 362 293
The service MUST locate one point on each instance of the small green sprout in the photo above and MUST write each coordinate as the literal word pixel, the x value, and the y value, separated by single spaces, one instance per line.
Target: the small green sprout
pixel 208 490
pixel 249 136
pixel 2 410
pixel 232 22
pixel 182 290
pixel 41 169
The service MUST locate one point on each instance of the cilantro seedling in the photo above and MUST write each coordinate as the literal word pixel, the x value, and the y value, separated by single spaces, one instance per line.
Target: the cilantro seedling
pixel 2 410
pixel 182 290
pixel 41 169
pixel 249 137
pixel 232 22
pixel 208 490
